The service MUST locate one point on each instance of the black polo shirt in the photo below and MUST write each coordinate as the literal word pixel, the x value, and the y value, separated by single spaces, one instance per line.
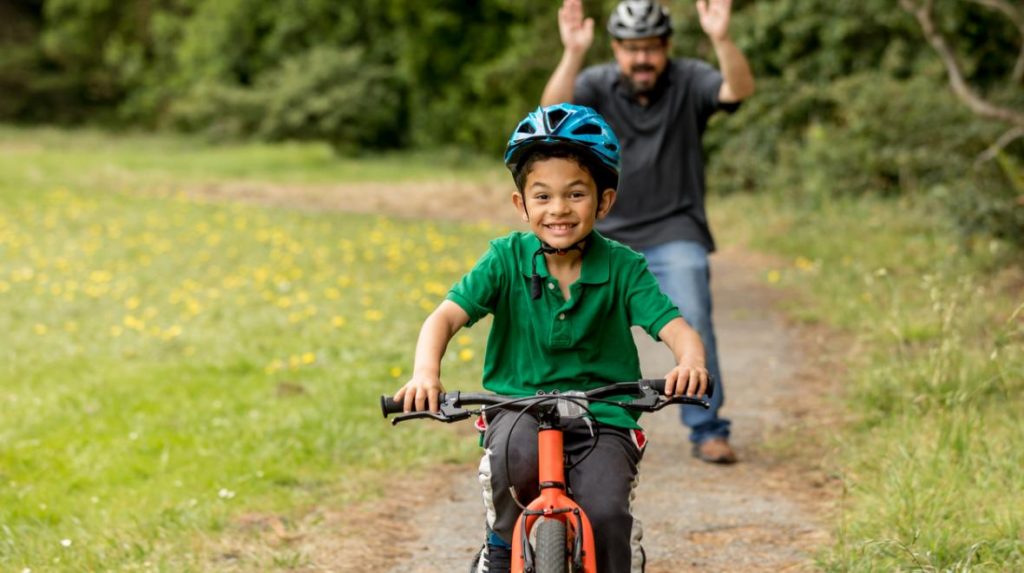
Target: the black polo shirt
pixel 661 186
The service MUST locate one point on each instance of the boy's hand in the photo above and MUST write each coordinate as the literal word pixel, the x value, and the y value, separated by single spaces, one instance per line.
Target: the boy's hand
pixel 420 393
pixel 686 379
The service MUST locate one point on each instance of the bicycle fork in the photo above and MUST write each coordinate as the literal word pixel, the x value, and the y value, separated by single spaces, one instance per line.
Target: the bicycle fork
pixel 553 503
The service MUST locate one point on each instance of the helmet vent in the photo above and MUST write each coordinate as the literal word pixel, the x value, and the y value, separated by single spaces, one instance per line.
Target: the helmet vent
pixel 611 147
pixel 587 129
pixel 555 118
pixel 526 127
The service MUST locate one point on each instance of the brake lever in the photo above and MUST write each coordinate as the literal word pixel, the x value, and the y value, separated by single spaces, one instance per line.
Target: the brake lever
pixel 449 412
pixel 650 399
pixel 654 400
pixel 689 400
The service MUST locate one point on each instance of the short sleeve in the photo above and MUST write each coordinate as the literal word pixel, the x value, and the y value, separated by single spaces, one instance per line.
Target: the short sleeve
pixel 585 91
pixel 478 290
pixel 706 84
pixel 648 307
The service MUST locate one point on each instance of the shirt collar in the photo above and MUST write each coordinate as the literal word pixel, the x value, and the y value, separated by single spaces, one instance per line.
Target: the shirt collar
pixel 596 261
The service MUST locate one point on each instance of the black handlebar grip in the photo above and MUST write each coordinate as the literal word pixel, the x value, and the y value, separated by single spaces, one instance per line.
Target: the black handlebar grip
pixel 389 406
pixel 658 385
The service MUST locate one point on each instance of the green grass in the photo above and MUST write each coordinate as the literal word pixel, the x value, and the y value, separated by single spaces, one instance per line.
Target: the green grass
pixel 167 365
pixel 48 155
pixel 931 464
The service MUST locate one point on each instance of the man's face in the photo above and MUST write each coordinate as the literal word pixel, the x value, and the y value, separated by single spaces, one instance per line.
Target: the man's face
pixel 641 61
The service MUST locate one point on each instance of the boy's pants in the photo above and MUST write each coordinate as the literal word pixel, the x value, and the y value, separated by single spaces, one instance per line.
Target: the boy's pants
pixel 603 483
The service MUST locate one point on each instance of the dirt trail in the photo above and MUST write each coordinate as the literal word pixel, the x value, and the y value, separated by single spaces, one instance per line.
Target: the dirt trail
pixel 767 513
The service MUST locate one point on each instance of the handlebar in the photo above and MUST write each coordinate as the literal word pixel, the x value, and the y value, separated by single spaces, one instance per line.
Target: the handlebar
pixel 649 396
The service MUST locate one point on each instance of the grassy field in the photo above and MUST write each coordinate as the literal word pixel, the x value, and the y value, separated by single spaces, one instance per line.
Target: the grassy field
pixel 84 157
pixel 931 463
pixel 168 364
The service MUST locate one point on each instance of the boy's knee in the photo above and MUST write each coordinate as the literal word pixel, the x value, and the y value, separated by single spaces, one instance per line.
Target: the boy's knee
pixel 609 518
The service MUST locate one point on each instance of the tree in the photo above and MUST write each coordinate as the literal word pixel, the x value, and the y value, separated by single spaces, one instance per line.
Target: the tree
pixel 923 12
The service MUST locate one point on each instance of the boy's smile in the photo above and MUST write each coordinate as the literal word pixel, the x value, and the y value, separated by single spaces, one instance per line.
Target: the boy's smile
pixel 559 201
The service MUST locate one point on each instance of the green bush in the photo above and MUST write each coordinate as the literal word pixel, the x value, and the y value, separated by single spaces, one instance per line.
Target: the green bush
pixel 869 134
pixel 321 95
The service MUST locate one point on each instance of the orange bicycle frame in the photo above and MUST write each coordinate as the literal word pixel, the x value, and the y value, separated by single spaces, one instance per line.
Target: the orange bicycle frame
pixel 553 503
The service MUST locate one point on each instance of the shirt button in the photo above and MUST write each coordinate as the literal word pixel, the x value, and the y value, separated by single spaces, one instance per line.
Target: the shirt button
pixel 561 316
pixel 551 285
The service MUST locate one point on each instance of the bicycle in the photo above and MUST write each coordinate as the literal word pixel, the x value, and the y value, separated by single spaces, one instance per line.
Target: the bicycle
pixel 563 540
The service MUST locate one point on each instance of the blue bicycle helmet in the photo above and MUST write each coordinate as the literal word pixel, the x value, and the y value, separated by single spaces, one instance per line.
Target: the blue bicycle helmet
pixel 563 124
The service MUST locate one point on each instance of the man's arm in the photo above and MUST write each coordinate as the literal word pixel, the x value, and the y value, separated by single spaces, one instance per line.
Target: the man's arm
pixel 690 376
pixel 577 34
pixel 423 388
pixel 737 79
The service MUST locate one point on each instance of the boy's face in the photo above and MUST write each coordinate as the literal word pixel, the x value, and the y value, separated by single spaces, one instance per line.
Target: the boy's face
pixel 559 201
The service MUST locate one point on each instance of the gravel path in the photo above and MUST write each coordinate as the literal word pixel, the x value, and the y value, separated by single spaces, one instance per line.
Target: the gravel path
pixel 758 515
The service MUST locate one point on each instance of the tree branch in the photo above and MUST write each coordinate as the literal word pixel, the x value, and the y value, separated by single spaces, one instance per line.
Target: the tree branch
pixel 1000 144
pixel 923 13
pixel 1016 15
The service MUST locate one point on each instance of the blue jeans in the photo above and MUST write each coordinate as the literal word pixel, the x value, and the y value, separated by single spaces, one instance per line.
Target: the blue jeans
pixel 682 270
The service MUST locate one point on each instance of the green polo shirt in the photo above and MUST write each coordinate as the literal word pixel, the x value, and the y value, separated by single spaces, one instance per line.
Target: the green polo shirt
pixel 552 343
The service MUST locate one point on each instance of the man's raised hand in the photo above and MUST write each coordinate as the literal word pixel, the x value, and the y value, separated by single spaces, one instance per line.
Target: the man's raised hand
pixel 714 17
pixel 577 32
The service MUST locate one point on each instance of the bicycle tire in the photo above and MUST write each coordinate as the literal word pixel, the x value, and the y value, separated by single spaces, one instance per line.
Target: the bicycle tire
pixel 551 555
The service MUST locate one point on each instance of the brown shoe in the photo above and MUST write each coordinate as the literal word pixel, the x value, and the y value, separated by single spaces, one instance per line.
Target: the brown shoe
pixel 715 451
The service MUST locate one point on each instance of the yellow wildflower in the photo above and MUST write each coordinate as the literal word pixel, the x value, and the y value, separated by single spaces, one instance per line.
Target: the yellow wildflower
pixel 804 264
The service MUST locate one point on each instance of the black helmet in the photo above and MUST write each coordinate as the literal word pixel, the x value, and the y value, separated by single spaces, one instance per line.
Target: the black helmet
pixel 634 19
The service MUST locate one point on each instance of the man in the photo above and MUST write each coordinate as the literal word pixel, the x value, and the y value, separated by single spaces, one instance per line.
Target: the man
pixel 659 108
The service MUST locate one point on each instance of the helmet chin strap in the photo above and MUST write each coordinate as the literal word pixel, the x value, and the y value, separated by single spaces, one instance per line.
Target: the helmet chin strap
pixel 535 279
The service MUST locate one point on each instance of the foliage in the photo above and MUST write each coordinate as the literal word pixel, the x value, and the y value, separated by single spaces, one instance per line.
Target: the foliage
pixel 320 95
pixel 869 134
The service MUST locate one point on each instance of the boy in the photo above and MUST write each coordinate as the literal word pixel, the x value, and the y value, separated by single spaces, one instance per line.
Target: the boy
pixel 563 299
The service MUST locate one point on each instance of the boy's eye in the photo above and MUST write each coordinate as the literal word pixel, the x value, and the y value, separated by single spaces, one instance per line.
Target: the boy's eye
pixel 541 197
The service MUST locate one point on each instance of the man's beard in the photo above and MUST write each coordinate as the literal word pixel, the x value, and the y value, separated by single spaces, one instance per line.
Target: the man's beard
pixel 645 86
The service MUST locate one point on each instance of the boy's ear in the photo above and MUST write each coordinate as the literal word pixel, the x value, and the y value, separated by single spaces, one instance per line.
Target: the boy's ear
pixel 520 205
pixel 607 200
